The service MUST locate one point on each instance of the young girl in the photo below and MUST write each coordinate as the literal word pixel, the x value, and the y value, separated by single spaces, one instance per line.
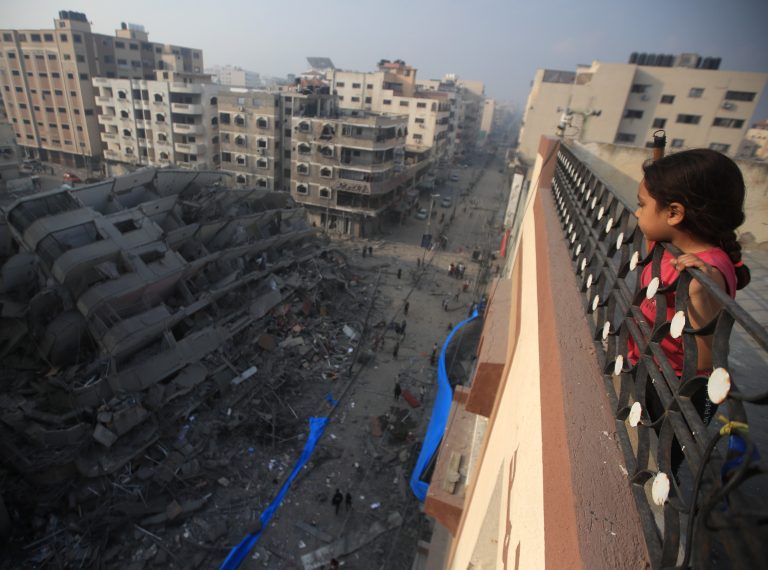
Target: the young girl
pixel 693 200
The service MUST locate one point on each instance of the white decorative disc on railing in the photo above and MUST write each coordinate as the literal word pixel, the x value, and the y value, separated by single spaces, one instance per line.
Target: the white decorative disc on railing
pixel 609 225
pixel 583 264
pixel 719 385
pixel 578 248
pixel 595 302
pixel 677 325
pixel 660 488
pixel 570 227
pixel 619 240
pixel 573 237
pixel 594 203
pixel 606 329
pixel 589 281
pixel 634 261
pixel 600 213
pixel 653 286
pixel 634 414
pixel 618 365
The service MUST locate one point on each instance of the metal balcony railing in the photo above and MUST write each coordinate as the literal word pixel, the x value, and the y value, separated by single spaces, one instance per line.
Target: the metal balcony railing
pixel 711 511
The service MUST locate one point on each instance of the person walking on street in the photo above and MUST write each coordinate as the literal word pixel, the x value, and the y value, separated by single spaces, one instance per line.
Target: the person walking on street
pixel 399 273
pixel 370 251
pixel 406 307
pixel 433 356
pixel 422 394
pixel 348 501
pixel 364 251
pixel 398 391
pixel 396 350
pixel 337 499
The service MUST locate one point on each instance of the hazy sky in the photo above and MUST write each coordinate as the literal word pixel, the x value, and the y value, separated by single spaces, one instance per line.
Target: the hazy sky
pixel 500 42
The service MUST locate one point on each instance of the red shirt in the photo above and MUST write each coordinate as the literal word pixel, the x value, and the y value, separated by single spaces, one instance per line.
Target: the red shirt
pixel 673 347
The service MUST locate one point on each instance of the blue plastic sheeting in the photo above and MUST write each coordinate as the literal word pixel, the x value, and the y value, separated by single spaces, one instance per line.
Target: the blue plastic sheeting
pixel 239 552
pixel 440 410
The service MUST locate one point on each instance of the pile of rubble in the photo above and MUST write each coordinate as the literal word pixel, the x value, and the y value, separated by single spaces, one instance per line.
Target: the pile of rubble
pixel 158 333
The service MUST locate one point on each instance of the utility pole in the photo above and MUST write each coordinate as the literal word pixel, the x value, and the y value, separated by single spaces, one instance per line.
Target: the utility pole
pixel 432 198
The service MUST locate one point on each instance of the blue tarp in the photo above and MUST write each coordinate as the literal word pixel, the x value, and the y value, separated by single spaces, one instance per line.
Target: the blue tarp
pixel 239 552
pixel 440 410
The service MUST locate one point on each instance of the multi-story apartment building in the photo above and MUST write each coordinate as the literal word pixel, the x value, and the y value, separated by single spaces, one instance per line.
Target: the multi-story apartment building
pixel 249 135
pixel 486 119
pixel 348 169
pixel 756 142
pixel 46 77
pixel 624 103
pixel 393 90
pixel 159 122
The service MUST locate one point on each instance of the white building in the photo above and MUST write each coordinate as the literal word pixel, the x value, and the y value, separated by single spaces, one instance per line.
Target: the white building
pixel 159 122
pixel 624 103
pixel 234 76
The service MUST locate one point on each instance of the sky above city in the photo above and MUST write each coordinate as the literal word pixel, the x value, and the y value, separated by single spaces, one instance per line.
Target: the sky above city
pixel 499 42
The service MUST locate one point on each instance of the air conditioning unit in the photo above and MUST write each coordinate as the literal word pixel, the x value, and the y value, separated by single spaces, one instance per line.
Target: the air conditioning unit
pixel 728 105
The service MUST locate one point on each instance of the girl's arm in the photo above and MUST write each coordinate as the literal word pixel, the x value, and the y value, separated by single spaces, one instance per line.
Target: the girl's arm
pixel 702 306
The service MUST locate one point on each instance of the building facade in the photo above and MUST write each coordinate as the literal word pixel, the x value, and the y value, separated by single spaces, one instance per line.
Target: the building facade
pixel 756 142
pixel 233 76
pixel 46 77
pixel 348 170
pixel 159 122
pixel 624 103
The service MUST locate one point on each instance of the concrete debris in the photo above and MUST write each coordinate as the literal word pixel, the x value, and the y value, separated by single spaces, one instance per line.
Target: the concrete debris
pixel 154 327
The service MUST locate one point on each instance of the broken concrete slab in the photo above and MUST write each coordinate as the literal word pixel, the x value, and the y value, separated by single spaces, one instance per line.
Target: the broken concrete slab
pixel 314 531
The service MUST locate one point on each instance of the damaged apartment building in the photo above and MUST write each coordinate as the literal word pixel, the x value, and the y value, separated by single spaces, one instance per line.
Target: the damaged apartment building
pixel 127 304
pixel 350 168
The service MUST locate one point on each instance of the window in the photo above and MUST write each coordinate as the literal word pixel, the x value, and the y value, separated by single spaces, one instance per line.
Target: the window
pixel 677 143
pixel 240 140
pixel 639 88
pixel 355 86
pixel 77 38
pixel 11 55
pixel 729 123
pixel 120 45
pixel 64 37
pixel 240 179
pixel 302 168
pixel 689 119
pixel 339 84
pixel 301 189
pixel 48 38
pixel 134 47
pixel 7 38
pixel 740 95
pixel 52 57
pixel 224 118
pixel 126 132
pixel 355 99
pixel 84 76
pixel 403 103
pixel 659 123
pixel 262 123
pixel 70 75
pixel 80 58
pixel 58 92
pixel 35 37
pixel 226 157
pixel 633 114
pixel 368 100
pixel 369 86
pixel 719 147
pixel 696 92
pixel 239 120
pixel 262 163
pixel 304 148
pixel 326 172
pixel 419 121
pixel 262 143
pixel 387 101
pixel 61 109
pixel 55 75
pixel 325 193
pixel 341 97
pixel 240 159
pixel 625 138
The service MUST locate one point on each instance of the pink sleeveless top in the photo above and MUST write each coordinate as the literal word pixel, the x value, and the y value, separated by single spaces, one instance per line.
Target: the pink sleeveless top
pixel 673 347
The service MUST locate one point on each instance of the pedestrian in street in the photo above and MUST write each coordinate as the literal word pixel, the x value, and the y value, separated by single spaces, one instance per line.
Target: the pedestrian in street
pixel 451 269
pixel 348 501
pixel 432 358
pixel 334 564
pixel 398 391
pixel 370 251
pixel 406 307
pixel 422 394
pixel 456 296
pixel 402 327
pixel 364 251
pixel 399 273
pixel 337 499
pixel 445 305
pixel 396 350
pixel 418 262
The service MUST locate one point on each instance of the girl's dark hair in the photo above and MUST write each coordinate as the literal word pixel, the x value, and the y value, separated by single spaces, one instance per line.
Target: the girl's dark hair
pixel 711 188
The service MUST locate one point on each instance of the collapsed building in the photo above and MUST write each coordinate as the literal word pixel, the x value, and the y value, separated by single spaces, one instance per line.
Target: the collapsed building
pixel 127 307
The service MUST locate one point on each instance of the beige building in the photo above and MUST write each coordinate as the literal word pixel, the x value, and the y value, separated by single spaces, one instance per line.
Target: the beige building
pixel 46 76
pixel 159 122
pixel 249 134
pixel 349 169
pixel 624 103
pixel 486 120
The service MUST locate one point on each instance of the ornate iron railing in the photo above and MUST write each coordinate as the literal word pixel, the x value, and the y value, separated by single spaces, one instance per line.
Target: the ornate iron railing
pixel 714 510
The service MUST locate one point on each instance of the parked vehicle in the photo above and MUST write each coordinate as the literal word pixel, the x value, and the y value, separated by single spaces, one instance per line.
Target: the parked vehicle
pixel 72 178
pixel 421 214
pixel 447 202
pixel 454 177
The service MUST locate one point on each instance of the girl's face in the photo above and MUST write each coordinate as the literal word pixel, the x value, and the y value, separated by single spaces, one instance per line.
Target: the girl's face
pixel 652 219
